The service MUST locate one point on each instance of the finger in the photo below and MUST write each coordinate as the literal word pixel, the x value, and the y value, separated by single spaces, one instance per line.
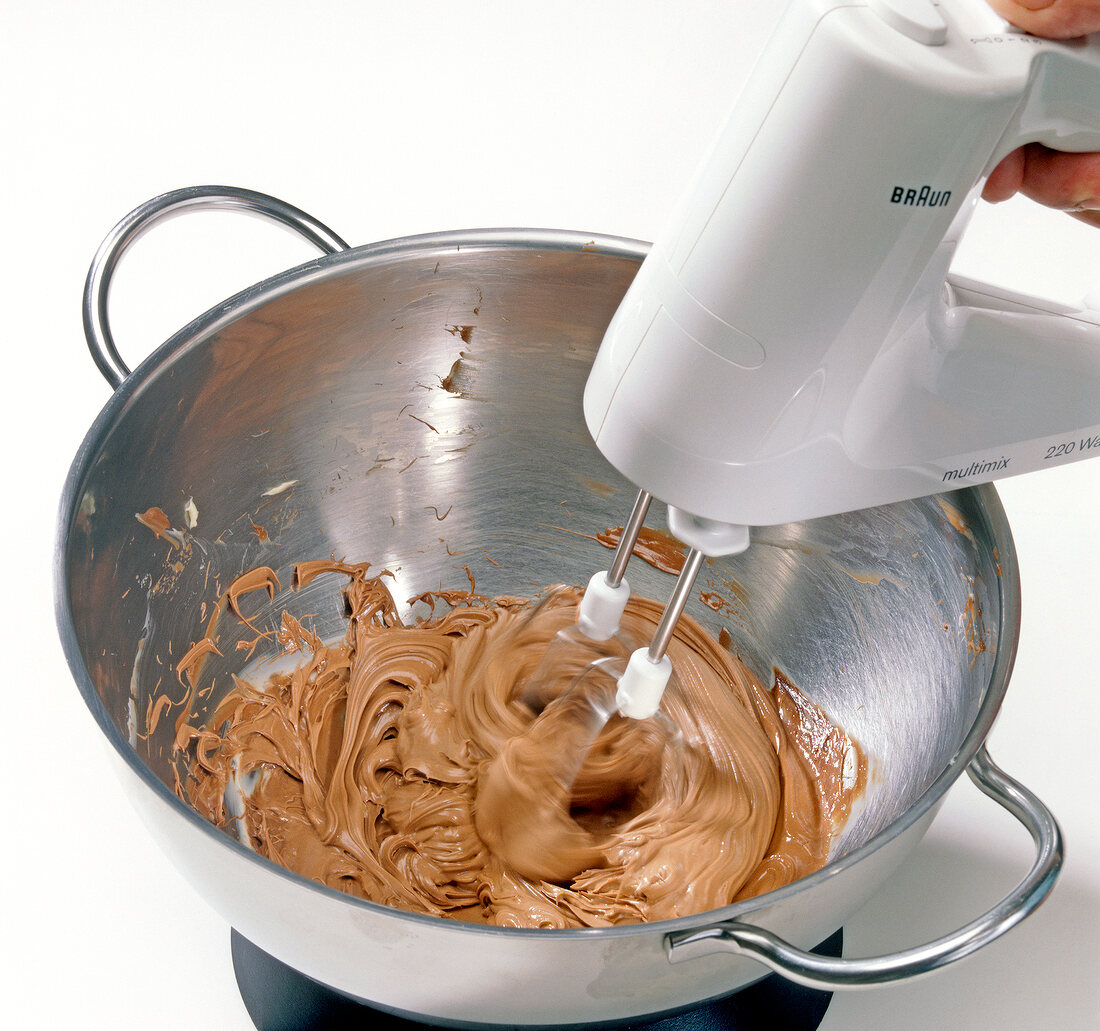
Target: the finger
pixel 1090 218
pixel 1006 179
pixel 1055 19
pixel 1069 182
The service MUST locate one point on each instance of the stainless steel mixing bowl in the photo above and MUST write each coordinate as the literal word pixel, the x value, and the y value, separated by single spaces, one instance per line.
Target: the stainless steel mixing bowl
pixel 416 404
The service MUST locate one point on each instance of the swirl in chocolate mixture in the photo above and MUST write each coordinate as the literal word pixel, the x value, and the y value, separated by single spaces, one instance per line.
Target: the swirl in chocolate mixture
pixel 360 768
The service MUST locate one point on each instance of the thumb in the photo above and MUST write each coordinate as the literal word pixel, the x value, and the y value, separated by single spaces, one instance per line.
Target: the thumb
pixel 1055 19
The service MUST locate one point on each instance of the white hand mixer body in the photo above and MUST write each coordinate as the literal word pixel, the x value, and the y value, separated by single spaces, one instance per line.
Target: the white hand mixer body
pixel 794 346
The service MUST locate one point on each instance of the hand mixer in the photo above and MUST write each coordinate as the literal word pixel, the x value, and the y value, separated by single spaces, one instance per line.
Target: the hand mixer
pixel 793 345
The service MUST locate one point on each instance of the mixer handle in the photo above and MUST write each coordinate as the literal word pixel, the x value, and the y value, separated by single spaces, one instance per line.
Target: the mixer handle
pixel 829 974
pixel 1062 109
pixel 97 286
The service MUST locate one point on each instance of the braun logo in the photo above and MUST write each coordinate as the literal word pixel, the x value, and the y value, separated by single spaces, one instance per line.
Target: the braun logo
pixel 920 197
pixel 976 469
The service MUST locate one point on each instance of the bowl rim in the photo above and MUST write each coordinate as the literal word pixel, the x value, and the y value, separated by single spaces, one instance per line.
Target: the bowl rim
pixel 981 501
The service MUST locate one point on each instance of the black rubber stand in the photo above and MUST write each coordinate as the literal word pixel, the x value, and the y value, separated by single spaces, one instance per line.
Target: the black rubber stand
pixel 279 998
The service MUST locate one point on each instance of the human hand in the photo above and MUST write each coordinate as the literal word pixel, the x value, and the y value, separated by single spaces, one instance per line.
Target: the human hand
pixel 1070 182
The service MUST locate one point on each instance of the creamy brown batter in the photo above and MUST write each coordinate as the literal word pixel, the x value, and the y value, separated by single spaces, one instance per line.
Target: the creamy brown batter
pixel 371 766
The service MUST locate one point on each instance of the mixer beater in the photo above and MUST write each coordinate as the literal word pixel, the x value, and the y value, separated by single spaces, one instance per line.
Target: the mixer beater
pixel 642 683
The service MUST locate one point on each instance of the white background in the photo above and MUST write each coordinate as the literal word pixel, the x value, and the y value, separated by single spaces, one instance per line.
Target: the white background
pixel 392 119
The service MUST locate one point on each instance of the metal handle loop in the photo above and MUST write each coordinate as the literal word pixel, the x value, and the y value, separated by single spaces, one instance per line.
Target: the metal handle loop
pixel 823 972
pixel 97 286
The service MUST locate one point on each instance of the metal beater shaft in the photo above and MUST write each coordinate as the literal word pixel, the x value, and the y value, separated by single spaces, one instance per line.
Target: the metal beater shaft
pixel 675 607
pixel 629 538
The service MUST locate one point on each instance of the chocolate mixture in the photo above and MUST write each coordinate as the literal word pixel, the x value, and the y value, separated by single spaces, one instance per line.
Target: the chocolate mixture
pixel 361 766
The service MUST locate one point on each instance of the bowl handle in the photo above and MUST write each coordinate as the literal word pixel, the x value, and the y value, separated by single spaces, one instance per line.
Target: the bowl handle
pixel 142 218
pixel 823 972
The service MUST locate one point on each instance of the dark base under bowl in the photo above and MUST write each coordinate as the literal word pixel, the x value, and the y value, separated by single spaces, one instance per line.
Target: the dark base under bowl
pixel 279 998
